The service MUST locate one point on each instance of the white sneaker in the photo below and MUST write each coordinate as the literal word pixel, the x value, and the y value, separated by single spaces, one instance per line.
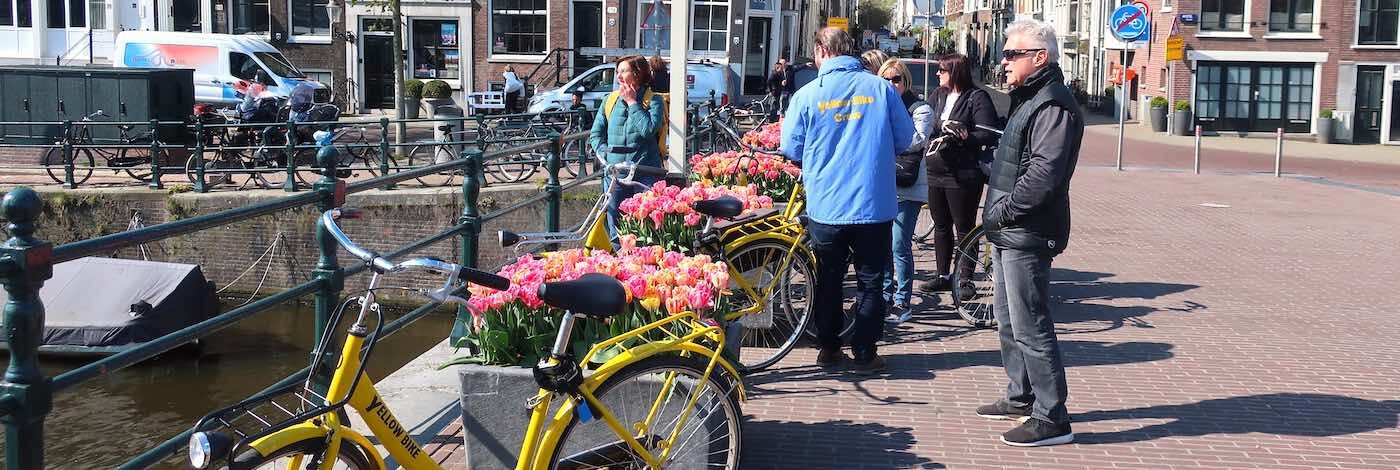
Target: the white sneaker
pixel 901 314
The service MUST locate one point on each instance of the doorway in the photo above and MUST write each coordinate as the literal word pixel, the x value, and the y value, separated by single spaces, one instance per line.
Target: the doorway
pixel 588 32
pixel 377 56
pixel 757 56
pixel 1370 87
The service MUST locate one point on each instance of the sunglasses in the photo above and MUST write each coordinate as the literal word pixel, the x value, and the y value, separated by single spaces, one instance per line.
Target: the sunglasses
pixel 895 79
pixel 1013 54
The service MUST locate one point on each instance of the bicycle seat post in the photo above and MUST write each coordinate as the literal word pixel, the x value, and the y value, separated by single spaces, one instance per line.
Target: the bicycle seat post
pixel 561 342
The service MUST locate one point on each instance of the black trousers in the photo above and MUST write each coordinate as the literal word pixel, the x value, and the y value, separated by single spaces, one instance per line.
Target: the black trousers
pixel 953 208
pixel 867 246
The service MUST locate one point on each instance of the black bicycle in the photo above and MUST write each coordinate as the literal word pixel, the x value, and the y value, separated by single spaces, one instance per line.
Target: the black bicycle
pixel 134 157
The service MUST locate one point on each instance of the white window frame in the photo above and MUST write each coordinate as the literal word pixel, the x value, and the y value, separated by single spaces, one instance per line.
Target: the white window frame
pixel 1314 34
pixel 1356 32
pixel 637 21
pixel 293 37
pixel 492 56
pixel 1246 32
pixel 14 16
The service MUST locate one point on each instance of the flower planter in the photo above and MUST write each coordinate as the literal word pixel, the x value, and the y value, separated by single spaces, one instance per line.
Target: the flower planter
pixel 1182 124
pixel 1158 116
pixel 1326 131
pixel 410 107
pixel 493 413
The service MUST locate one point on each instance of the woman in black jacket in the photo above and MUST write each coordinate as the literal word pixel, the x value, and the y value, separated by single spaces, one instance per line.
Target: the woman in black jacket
pixel 954 180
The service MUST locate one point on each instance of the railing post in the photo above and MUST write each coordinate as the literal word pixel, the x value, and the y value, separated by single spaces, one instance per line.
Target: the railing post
pixel 551 186
pixel 480 149
pixel 471 219
pixel 68 155
pixel 384 149
pixel 200 186
pixel 155 158
pixel 328 270
pixel 25 263
pixel 290 184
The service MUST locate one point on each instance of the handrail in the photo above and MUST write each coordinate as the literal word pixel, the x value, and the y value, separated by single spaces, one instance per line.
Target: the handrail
pixel 25 262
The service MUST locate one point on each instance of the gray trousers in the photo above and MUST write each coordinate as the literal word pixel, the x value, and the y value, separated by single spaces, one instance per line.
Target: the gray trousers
pixel 1029 350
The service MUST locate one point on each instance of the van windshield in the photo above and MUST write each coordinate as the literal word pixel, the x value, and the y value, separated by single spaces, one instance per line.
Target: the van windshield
pixel 278 65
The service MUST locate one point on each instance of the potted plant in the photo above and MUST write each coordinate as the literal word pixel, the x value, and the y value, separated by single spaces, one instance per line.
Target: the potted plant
pixel 1326 126
pixel 1182 124
pixel 1110 100
pixel 412 92
pixel 1159 114
pixel 436 93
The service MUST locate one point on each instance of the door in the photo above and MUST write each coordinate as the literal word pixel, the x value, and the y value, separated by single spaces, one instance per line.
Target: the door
pixel 757 58
pixel 1394 112
pixel 1370 86
pixel 1249 97
pixel 588 32
pixel 378 57
pixel 1268 99
pixel 16 106
pixel 1239 93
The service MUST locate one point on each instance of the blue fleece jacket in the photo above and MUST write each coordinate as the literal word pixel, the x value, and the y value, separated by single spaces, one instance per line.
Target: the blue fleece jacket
pixel 844 127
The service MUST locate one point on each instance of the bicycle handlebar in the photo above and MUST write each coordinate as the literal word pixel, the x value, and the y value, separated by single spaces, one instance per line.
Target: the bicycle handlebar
pixel 381 265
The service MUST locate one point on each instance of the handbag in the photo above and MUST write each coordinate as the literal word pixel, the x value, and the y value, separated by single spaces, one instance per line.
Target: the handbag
pixel 907 165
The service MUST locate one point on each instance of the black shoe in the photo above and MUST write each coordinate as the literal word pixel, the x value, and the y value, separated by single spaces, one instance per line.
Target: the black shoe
pixel 874 365
pixel 939 283
pixel 1003 410
pixel 830 357
pixel 1036 433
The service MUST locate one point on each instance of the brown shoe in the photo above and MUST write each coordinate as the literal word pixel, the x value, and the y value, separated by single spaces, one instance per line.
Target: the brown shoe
pixel 874 365
pixel 830 357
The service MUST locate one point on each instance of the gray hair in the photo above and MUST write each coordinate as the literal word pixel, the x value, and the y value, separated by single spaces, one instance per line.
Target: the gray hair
pixel 1039 32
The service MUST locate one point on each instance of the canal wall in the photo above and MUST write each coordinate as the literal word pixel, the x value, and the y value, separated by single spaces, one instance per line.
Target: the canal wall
pixel 270 253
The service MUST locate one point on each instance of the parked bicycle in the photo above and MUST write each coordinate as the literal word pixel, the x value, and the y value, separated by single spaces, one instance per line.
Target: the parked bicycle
pixel 134 160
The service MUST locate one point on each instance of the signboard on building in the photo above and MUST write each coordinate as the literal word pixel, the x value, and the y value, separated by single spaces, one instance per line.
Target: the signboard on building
pixel 1176 48
pixel 838 22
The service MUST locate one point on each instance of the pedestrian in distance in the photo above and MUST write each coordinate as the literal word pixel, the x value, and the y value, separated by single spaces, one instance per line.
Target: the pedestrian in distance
pixel 514 89
pixel 776 83
pixel 844 128
pixel 1027 217
pixel 660 76
pixel 627 127
pixel 911 190
pixel 954 177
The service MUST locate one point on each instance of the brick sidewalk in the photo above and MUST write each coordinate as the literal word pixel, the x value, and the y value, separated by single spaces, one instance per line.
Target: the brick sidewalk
pixel 1261 335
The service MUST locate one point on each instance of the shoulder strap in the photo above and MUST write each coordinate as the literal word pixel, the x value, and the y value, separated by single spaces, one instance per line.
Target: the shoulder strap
pixel 608 104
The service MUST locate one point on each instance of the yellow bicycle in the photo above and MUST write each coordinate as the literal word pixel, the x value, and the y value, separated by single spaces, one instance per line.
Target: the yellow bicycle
pixel 667 400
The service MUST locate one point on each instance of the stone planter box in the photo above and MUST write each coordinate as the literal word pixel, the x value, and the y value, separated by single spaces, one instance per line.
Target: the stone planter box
pixel 1326 130
pixel 1158 117
pixel 1182 124
pixel 493 414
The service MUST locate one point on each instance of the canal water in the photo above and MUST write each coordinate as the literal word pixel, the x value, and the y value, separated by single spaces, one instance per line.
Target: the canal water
pixel 112 419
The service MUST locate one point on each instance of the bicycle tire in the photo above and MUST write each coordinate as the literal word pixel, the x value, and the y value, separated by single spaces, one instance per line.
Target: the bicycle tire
pixel 365 159
pixel 350 457
pixel 574 151
pixel 578 451
pixel 424 155
pixel 515 168
pixel 140 171
pixel 974 296
pixel 772 333
pixel 223 160
pixel 54 164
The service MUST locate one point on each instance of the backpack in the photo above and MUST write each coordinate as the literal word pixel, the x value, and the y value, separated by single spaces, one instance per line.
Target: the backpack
pixel 908 164
pixel 611 101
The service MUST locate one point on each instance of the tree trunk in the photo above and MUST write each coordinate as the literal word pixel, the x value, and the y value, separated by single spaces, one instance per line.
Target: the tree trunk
pixel 400 129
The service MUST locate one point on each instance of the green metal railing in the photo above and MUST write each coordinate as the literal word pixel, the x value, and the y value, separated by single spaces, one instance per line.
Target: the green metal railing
pixel 26 394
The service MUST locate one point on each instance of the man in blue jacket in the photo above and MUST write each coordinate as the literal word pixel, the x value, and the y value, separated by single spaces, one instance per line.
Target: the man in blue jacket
pixel 844 128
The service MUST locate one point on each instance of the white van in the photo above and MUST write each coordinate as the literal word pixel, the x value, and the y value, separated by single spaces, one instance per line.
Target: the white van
pixel 597 82
pixel 219 61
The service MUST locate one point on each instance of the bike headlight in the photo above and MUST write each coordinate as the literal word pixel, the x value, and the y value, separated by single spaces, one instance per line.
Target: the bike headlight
pixel 206 447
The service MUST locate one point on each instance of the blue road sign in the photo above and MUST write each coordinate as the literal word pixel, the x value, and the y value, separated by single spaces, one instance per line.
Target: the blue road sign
pixel 1128 23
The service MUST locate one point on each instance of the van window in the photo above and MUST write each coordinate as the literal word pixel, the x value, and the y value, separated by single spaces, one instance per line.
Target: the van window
pixel 600 81
pixel 244 67
pixel 279 65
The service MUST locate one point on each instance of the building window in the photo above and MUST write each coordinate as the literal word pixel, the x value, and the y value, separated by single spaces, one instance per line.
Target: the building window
pixel 7 12
pixel 322 76
pixel 710 28
pixel 1300 93
pixel 97 14
pixel 187 16
pixel 435 50
pixel 309 17
pixel 519 27
pixel 1207 86
pixel 656 25
pixel 1378 22
pixel 1222 15
pixel 709 25
pixel 1291 16
pixel 250 16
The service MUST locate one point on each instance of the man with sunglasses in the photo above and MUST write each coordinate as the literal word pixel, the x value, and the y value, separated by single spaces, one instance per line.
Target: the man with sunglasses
pixel 1026 214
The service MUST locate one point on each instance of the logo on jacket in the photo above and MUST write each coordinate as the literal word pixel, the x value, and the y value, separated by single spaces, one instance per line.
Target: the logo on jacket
pixel 1051 243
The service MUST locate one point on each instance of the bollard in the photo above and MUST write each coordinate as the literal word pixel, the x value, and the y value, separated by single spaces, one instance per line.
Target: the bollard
pixel 1196 166
pixel 1278 154
pixel 471 220
pixel 328 270
pixel 199 184
pixel 155 158
pixel 68 155
pixel 290 154
pixel 25 263
pixel 384 149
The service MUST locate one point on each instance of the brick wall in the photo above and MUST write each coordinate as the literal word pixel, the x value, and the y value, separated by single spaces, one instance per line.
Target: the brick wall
pixel 319 57
pixel 392 219
pixel 486 70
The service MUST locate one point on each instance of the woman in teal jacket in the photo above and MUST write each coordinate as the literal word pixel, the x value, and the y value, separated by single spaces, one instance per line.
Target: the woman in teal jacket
pixel 628 131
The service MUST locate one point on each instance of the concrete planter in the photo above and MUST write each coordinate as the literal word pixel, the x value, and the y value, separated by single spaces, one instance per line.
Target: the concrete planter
pixel 1326 130
pixel 411 107
pixel 1158 115
pixel 493 414
pixel 1182 124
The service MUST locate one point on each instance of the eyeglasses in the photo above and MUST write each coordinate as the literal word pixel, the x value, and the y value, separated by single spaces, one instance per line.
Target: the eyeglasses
pixel 895 79
pixel 1013 54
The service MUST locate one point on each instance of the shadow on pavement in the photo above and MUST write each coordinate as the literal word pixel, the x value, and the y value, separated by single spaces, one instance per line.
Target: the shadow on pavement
pixel 1078 296
pixel 830 444
pixel 1284 414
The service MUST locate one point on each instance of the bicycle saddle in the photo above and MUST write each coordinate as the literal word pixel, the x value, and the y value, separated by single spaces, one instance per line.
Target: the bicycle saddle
pixel 721 208
pixel 593 294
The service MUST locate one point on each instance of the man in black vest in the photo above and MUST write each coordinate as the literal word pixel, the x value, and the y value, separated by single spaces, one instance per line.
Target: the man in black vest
pixel 1026 213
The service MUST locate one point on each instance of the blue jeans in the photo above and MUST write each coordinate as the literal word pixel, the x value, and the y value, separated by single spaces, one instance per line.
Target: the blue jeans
pixel 899 273
pixel 836 248
pixel 1030 351
pixel 623 192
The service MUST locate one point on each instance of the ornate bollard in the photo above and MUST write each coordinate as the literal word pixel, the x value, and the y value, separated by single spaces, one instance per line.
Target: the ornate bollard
pixel 328 270
pixel 25 263
pixel 471 219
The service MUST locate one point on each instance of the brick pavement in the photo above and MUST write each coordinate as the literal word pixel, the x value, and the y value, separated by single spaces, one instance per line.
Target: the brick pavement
pixel 1255 336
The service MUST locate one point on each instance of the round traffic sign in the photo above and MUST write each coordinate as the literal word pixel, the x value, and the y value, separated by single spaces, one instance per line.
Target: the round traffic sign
pixel 1128 23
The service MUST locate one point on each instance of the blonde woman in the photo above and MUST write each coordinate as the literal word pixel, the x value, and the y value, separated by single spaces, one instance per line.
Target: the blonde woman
pixel 874 59
pixel 899 274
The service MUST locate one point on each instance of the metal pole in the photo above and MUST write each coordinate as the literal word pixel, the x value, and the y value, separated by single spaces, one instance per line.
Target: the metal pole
pixel 290 185
pixel 384 149
pixel 155 158
pixel 1171 98
pixel 68 155
pixel 328 270
pixel 1196 167
pixel 583 144
pixel 471 219
pixel 25 263
pixel 551 186
pixel 1278 153
pixel 200 186
pixel 1123 112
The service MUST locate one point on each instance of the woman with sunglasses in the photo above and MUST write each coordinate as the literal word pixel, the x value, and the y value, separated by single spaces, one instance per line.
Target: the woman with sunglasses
pixel 899 274
pixel 954 180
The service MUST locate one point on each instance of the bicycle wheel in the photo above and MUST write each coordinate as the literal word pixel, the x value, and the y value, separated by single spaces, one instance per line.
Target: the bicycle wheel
pixel 365 159
pixel 350 457
pixel 515 168
pixel 223 160
pixel 55 165
pixel 771 332
pixel 973 288
pixel 574 151
pixel 424 155
pixel 711 435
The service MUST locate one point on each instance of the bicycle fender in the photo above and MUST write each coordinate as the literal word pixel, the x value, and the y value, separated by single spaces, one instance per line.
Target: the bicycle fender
pixel 303 431
pixel 733 246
